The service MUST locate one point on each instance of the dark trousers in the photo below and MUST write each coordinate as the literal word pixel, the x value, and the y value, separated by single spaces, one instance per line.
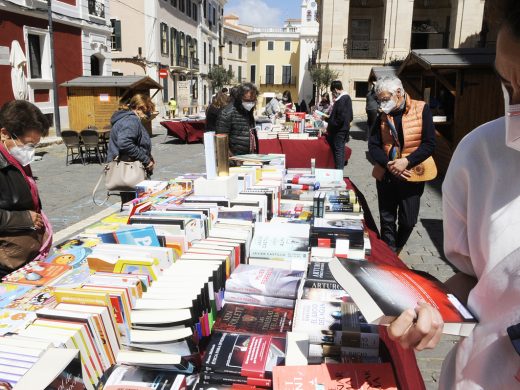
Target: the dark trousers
pixel 337 142
pixel 371 119
pixel 399 201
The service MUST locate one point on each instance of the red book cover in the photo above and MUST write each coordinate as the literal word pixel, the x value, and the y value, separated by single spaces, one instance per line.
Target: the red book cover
pixel 354 376
pixel 383 292
pixel 37 273
pixel 243 355
pixel 269 321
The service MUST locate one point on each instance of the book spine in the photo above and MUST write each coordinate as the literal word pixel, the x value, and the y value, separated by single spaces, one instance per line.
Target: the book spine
pixel 260 300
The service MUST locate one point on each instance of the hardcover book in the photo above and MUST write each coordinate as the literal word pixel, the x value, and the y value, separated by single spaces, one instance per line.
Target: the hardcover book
pixel 244 355
pixel 274 282
pixel 383 292
pixel 259 320
pixel 320 277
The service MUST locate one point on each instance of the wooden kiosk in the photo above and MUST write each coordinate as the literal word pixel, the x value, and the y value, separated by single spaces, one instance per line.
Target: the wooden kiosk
pixel 93 99
pixel 462 89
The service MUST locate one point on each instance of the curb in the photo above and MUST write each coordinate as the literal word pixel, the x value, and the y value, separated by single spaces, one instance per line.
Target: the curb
pixel 48 141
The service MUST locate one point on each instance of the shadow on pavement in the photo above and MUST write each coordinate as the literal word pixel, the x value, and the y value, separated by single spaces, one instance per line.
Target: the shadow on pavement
pixel 435 231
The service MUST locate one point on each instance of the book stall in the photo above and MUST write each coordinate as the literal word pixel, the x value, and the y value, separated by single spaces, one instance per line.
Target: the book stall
pixel 246 277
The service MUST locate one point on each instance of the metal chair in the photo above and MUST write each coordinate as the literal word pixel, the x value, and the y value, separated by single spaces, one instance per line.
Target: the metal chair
pixel 72 141
pixel 91 144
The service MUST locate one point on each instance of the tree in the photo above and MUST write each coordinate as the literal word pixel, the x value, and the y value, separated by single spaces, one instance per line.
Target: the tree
pixel 322 77
pixel 220 77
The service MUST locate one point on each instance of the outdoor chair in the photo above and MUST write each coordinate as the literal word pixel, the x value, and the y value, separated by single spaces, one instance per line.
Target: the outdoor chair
pixel 72 141
pixel 92 145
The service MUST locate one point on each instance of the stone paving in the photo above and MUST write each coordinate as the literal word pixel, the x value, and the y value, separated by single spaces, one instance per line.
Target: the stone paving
pixel 424 248
pixel 66 195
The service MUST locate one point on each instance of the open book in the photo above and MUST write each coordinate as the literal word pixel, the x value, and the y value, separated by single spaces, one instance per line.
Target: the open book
pixel 383 292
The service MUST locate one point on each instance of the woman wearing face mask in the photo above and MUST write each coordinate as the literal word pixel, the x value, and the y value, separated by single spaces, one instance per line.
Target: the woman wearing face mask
pixel 129 139
pixel 287 101
pixel 481 216
pixel 404 127
pixel 25 233
pixel 238 122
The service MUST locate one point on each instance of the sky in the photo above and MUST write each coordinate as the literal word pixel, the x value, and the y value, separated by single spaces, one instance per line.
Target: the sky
pixel 264 13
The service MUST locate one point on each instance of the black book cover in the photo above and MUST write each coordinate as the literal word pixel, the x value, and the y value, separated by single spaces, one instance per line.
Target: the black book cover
pixel 319 276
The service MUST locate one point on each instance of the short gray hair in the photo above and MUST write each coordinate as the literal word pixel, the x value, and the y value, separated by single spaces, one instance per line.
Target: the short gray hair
pixel 388 84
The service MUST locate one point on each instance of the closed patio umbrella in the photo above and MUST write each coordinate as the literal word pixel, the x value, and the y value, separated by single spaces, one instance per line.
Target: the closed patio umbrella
pixel 18 80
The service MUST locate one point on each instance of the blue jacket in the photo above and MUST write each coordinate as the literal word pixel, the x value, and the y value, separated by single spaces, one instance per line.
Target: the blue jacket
pixel 128 138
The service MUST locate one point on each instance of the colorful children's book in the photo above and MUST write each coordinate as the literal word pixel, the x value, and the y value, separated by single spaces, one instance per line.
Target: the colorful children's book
pixel 12 321
pixel 74 256
pixel 37 273
pixel 10 292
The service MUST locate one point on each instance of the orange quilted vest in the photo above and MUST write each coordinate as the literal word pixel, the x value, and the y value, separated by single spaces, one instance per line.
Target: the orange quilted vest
pixel 412 127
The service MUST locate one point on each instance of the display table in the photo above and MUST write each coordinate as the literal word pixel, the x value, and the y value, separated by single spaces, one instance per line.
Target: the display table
pixel 298 153
pixel 188 131
pixel 403 360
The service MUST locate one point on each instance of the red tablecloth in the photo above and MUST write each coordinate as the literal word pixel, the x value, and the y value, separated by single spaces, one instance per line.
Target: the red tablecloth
pixel 188 131
pixel 403 360
pixel 298 153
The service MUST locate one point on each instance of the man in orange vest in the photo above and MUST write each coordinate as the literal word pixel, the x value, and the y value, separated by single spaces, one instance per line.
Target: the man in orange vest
pixel 406 137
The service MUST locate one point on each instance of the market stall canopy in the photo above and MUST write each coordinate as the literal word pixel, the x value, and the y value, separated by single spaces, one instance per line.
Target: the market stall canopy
pixel 131 82
pixel 449 58
pixel 378 72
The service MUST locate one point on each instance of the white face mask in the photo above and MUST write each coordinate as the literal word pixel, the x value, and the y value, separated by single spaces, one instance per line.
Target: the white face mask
pixel 24 154
pixel 512 116
pixel 248 105
pixel 388 107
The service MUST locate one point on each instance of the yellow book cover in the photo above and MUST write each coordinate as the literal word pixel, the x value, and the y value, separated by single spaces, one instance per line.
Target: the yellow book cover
pixel 128 266
pixel 119 295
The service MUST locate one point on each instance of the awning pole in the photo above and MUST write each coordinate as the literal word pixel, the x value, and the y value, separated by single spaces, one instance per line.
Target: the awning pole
pixel 57 120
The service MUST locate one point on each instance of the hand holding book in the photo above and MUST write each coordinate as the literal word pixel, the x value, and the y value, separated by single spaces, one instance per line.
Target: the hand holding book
pixel 419 329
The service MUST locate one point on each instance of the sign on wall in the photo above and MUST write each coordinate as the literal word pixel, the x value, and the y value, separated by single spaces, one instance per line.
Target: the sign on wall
pixel 183 93
pixel 4 55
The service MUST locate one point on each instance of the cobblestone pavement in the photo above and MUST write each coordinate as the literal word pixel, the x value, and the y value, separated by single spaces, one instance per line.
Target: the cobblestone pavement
pixel 66 196
pixel 424 248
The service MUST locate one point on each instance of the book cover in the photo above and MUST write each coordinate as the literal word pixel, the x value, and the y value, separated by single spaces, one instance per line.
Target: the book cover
pixel 259 320
pixel 258 300
pixel 122 377
pixel 357 376
pixel 383 292
pixel 275 241
pixel 320 277
pixel 214 378
pixel 144 237
pixel 12 320
pixel 317 319
pixel 244 355
pixel 10 292
pixel 274 282
pixel 74 256
pixel 36 273
pixel 34 299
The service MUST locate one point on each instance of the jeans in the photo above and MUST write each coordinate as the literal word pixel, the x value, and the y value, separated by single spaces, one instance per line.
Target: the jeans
pixel 399 201
pixel 337 142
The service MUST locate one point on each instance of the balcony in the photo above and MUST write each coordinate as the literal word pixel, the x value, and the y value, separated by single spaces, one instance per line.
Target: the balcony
pixel 96 8
pixel 182 61
pixel 363 49
pixel 194 63
pixel 313 60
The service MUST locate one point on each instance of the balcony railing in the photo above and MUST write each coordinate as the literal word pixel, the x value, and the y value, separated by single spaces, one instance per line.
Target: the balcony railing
pixel 194 63
pixel 313 60
pixel 96 8
pixel 362 49
pixel 182 61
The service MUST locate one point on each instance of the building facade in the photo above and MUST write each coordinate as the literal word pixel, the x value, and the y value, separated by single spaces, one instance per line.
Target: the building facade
pixel 81 47
pixel 180 36
pixel 356 35
pixel 309 30
pixel 235 48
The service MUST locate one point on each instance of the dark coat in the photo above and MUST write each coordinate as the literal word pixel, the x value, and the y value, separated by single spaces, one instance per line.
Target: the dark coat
pixel 212 114
pixel 19 242
pixel 235 121
pixel 341 116
pixel 129 138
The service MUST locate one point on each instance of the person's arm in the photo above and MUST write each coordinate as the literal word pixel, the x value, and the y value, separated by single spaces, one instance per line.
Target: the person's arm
pixel 427 146
pixel 375 144
pixel 128 142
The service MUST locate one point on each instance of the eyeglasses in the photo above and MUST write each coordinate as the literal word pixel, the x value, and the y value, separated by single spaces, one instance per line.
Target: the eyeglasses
pixel 29 144
pixel 385 99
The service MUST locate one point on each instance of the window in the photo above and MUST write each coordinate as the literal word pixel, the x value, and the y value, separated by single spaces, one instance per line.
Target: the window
pixel 39 58
pixel 116 34
pixel 230 69
pixel 361 88
pixel 195 48
pixel 214 56
pixel 230 45
pixel 182 45
pixel 209 54
pixel 239 77
pixel 214 16
pixel 173 3
pixel 164 38
pixel 286 74
pixel 205 57
pixel 253 46
pixel 182 5
pixel 240 51
pixel 252 75
pixel 270 45
pixel 195 12
pixel 35 56
pixel 173 45
pixel 205 7
pixel 188 8
pixel 309 16
pixel 269 74
pixel 287 46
